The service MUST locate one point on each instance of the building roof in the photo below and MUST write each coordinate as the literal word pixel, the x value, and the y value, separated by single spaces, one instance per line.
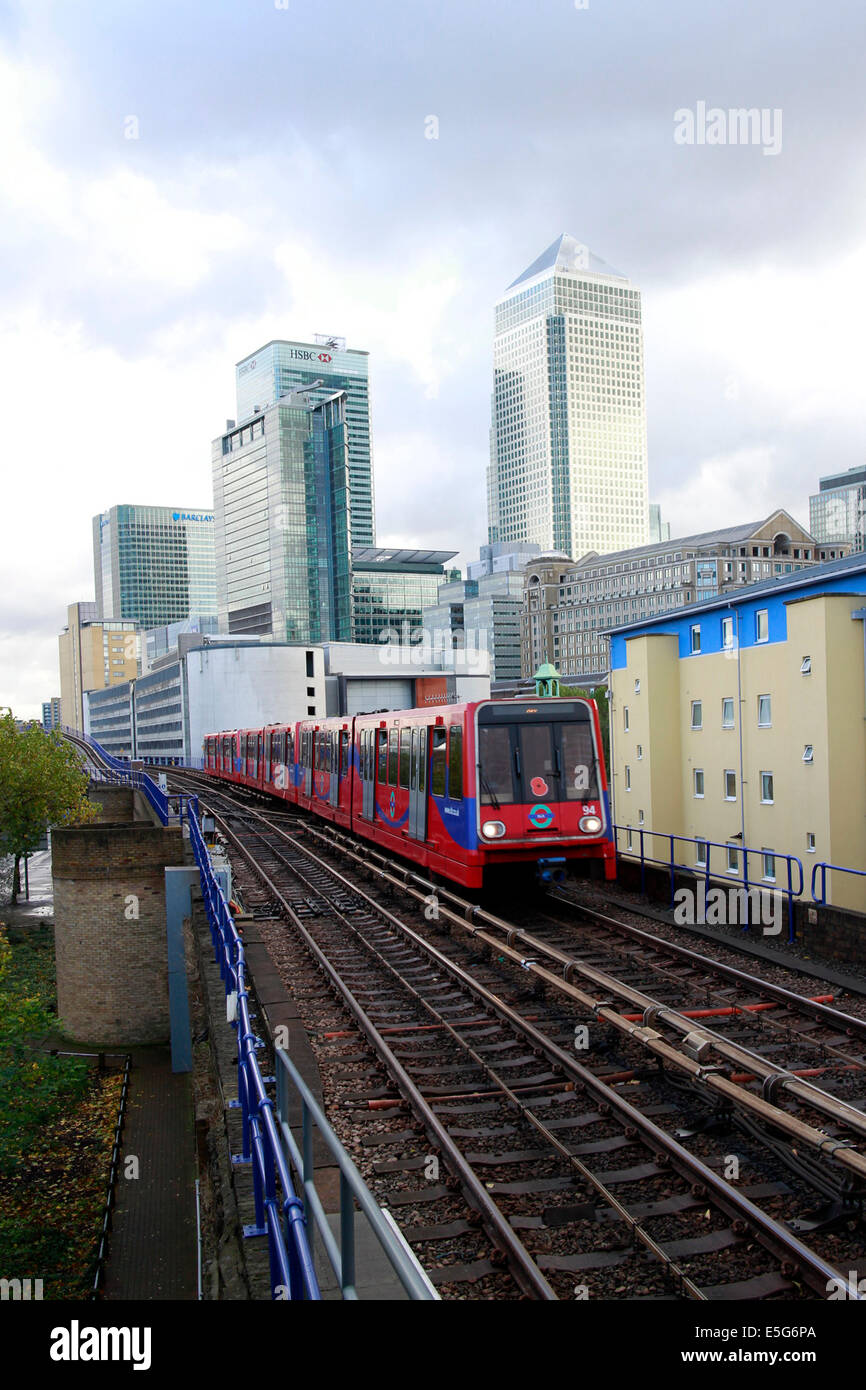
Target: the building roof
pixel 853 566
pixel 371 556
pixel 726 535
pixel 569 254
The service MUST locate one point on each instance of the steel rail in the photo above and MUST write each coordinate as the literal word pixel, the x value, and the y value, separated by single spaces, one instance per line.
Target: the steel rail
pixel 773 1076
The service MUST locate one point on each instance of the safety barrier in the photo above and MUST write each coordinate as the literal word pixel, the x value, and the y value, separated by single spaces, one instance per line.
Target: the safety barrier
pixel 279 1212
pixel 822 871
pixel 702 868
pixel 352 1189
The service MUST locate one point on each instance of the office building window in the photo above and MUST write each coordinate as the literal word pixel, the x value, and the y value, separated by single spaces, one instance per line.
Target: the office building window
pixel 728 712
pixel 765 712
pixel 767 790
pixel 730 785
pixel 697 714
pixel 699 781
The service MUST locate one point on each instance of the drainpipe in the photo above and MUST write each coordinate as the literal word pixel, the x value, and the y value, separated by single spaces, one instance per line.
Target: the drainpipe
pixel 736 616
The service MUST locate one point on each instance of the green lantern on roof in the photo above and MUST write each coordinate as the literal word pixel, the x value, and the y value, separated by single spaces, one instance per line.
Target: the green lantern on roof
pixel 546 680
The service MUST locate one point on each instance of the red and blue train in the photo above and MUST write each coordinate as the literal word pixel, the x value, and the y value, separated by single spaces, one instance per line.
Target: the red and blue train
pixel 463 790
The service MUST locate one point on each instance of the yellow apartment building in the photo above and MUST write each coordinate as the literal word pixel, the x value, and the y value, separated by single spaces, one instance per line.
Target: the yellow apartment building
pixel 740 723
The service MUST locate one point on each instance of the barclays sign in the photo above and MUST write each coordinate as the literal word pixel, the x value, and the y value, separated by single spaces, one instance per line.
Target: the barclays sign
pixel 192 516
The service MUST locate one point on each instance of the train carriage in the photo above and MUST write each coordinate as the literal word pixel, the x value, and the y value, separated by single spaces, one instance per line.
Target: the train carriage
pixel 463 790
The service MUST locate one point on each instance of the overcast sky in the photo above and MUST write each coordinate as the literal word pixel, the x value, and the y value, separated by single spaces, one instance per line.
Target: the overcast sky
pixel 280 182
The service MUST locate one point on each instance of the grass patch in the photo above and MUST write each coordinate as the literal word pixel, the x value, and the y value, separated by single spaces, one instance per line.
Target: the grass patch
pixel 56 1126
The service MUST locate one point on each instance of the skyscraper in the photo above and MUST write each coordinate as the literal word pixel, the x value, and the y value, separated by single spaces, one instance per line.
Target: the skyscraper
pixel 281 509
pixel 568 465
pixel 280 366
pixel 837 512
pixel 154 565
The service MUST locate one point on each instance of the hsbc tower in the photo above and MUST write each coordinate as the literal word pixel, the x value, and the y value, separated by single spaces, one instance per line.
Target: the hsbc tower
pixel 280 367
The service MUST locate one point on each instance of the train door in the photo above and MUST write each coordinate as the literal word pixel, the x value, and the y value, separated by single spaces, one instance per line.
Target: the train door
pixel 308 745
pixel 368 780
pixel 334 782
pixel 418 785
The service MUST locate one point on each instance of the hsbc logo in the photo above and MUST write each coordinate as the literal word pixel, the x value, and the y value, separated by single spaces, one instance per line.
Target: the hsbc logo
pixel 324 357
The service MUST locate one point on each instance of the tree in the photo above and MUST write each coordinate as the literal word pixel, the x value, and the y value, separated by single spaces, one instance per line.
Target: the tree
pixel 599 694
pixel 42 783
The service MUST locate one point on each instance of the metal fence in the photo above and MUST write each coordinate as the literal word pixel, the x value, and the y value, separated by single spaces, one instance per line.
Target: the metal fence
pixel 701 866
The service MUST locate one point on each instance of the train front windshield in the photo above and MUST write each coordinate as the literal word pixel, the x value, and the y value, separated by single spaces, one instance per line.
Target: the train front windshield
pixel 536 750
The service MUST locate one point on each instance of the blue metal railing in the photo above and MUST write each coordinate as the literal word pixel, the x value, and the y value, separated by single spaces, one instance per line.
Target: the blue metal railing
pixel 822 871
pixel 279 1212
pixel 702 868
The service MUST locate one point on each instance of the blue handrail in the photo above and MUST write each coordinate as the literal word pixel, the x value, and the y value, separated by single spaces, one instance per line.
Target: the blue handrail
pixel 821 899
pixel 279 1211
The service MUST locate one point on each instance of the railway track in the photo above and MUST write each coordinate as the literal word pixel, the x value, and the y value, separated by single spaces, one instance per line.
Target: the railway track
pixel 597 1171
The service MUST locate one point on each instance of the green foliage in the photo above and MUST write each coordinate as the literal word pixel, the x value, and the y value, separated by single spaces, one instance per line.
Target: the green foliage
pixel 42 783
pixel 33 1085
pixel 599 694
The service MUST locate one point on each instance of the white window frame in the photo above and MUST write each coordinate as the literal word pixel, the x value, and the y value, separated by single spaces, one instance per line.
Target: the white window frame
pixel 696 773
pixel 695 639
pixel 729 772
pixel 765 614
pixel 735 867
pixel 625 723
pixel 697 705
pixel 637 686
pixel 808 753
pixel 725 699
pixel 627 778
pixel 768 800
pixel 766 723
pixel 765 855
pixel 727 634
pixel 806 666
pixel 701 859
pixel 810 841
pixel 639 752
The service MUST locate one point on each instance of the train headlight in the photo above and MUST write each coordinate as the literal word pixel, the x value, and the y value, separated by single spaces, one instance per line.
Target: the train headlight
pixel 493 830
pixel 590 825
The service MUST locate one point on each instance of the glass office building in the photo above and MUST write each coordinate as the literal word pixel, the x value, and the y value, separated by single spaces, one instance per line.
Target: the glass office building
pixel 837 512
pixel 568 465
pixel 154 565
pixel 390 590
pixel 280 367
pixel 282 518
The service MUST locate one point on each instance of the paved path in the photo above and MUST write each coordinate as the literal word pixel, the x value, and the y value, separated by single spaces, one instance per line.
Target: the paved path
pixel 153 1243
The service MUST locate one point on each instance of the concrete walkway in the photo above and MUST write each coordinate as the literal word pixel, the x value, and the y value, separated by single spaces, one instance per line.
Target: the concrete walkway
pixel 153 1244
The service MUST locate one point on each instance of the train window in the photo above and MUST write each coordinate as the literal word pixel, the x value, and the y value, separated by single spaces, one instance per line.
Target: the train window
pixel 536 753
pixel 455 763
pixel 495 759
pixel 344 752
pixel 405 740
pixel 383 757
pixel 579 778
pixel 392 758
pixel 289 749
pixel 437 769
